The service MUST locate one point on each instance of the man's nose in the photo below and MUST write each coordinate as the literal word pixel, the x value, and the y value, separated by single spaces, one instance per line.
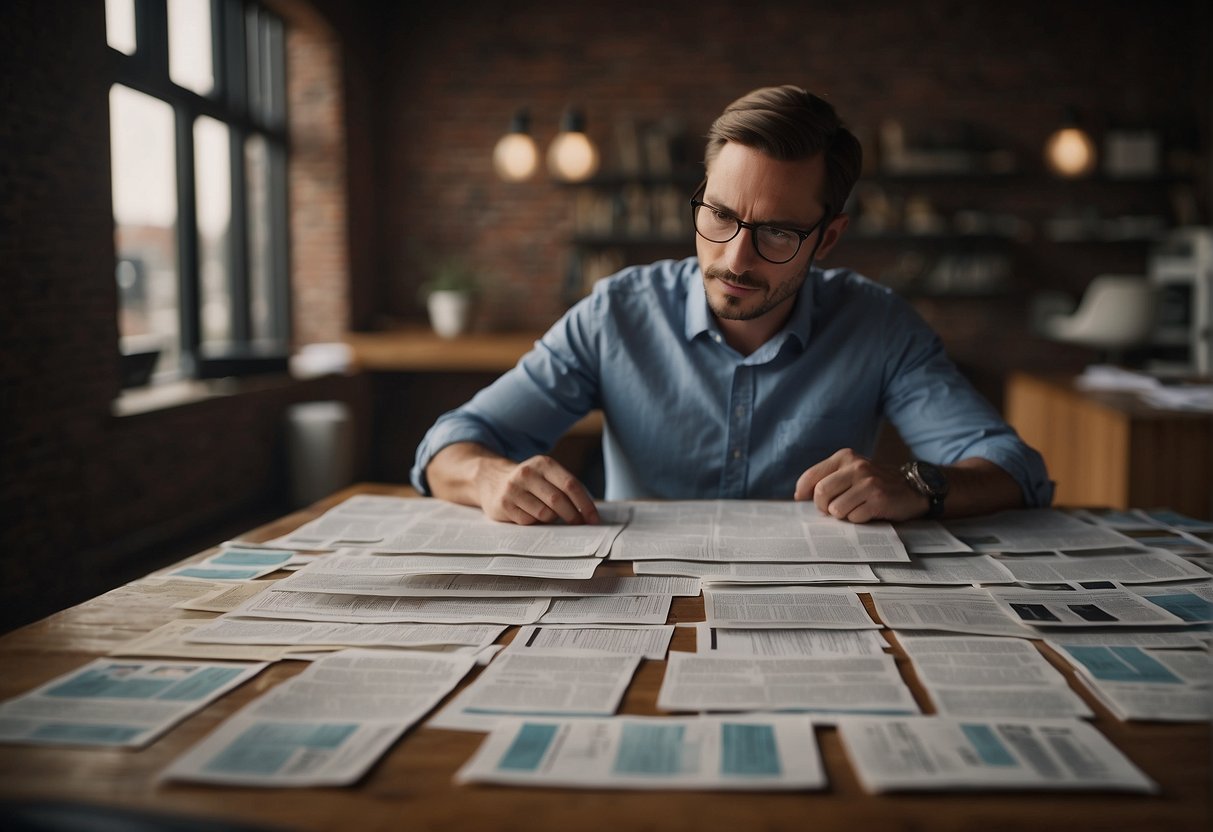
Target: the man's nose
pixel 739 252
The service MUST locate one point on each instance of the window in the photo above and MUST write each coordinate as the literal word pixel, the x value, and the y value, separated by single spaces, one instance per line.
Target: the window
pixel 198 151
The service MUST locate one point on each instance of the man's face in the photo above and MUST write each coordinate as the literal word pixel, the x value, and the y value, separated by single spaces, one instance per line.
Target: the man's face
pixel 755 188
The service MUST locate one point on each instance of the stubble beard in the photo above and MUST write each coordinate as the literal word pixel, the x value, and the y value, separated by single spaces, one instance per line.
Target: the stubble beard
pixel 732 308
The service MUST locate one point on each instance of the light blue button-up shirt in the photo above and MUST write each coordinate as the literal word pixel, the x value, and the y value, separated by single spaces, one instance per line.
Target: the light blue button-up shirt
pixel 688 417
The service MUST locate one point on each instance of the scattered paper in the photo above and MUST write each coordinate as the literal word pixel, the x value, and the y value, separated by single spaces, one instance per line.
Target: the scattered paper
pixel 823 685
pixel 114 702
pixel 938 753
pixel 785 607
pixel 743 752
pixel 548 683
pixel 327 725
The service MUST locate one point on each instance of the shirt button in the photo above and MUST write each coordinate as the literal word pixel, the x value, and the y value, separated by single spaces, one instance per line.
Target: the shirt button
pixel 740 411
pixel 737 453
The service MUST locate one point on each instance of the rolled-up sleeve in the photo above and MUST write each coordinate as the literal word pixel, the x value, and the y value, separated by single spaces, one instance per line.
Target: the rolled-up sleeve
pixel 943 419
pixel 529 407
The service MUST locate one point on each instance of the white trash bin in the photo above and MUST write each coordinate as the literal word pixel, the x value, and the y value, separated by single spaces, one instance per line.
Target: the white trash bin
pixel 321 449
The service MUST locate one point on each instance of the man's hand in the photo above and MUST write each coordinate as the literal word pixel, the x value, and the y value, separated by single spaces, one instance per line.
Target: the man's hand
pixel 536 490
pixel 852 487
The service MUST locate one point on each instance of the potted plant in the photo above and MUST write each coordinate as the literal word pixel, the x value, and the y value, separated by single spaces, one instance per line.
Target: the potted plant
pixel 449 296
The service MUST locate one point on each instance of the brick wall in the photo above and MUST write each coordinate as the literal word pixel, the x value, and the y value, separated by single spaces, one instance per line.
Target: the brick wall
pixel 456 72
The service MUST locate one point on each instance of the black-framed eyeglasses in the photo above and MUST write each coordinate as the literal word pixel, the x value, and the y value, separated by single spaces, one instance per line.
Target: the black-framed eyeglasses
pixel 773 243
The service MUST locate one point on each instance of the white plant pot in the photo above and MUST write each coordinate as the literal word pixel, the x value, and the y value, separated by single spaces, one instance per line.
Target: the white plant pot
pixel 450 312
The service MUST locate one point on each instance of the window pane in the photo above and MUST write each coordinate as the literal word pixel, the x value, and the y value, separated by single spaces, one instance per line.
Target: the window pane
pixel 143 158
pixel 260 249
pixel 189 45
pixel 213 177
pixel 120 25
pixel 266 66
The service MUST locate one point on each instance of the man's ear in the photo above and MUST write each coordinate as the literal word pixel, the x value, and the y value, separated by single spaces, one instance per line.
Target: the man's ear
pixel 832 234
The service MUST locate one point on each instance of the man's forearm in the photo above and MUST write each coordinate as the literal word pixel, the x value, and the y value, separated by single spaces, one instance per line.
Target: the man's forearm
pixel 454 473
pixel 978 486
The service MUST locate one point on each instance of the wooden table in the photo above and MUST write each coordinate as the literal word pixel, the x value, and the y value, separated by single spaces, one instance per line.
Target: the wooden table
pixel 1110 448
pixel 411 786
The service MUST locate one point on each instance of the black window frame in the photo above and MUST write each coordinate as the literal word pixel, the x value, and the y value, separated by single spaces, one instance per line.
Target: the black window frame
pixel 260 111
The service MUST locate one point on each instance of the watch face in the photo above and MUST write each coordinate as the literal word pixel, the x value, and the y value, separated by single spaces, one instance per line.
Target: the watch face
pixel 932 477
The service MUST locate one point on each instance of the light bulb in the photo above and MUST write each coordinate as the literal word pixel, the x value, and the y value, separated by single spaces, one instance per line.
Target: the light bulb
pixel 1070 152
pixel 515 157
pixel 572 157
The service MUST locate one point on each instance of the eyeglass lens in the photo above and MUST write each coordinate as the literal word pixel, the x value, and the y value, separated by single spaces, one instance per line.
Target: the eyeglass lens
pixel 775 244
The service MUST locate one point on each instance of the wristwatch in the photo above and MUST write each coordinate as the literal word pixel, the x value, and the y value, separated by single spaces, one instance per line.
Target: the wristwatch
pixel 929 481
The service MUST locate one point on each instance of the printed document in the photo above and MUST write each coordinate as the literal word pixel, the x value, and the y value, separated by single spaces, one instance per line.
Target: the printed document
pixel 961 570
pixel 646 641
pixel 117 702
pixel 950 610
pixel 729 641
pixel 360 562
pixel 743 752
pixel 760 573
pixel 485 586
pixel 1139 567
pixel 233 564
pixel 307 634
pixel 323 606
pixel 1033 530
pixel 226 597
pixel 751 531
pixel 427 525
pixel 784 607
pixel 930 537
pixel 171 640
pixel 990 677
pixel 550 682
pixel 1083 608
pixel 327 725
pixel 608 609
pixel 822 684
pixel 938 753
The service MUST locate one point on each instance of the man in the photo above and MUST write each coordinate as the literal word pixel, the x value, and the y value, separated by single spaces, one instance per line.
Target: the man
pixel 744 372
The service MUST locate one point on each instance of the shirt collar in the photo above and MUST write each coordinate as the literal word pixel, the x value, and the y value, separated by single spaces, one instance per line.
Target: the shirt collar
pixel 699 318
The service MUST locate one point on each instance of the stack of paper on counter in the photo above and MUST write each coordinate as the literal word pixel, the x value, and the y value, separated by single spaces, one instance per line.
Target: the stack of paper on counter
pixel 990 677
pixel 937 753
pixel 327 725
pixel 741 752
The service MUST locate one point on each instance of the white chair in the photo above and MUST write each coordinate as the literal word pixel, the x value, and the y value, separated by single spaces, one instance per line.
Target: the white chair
pixel 1116 313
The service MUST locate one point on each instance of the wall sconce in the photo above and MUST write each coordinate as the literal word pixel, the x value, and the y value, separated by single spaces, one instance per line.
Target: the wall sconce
pixel 1069 152
pixel 572 157
pixel 515 157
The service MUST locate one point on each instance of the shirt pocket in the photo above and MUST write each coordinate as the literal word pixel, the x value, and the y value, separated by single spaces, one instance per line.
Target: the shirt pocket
pixel 810 438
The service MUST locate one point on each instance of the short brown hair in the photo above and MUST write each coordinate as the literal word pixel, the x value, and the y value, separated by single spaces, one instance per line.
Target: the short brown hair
pixel 789 123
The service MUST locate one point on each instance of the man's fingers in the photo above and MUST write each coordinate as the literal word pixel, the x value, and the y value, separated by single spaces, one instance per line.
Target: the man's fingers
pixel 806 486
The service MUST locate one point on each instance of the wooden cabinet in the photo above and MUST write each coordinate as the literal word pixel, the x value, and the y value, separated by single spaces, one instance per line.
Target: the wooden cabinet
pixel 1113 449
